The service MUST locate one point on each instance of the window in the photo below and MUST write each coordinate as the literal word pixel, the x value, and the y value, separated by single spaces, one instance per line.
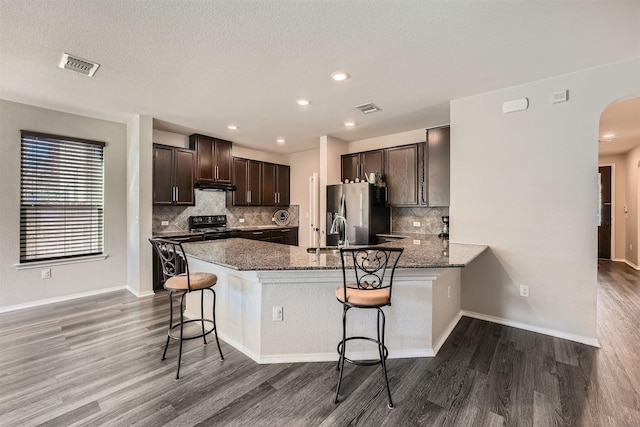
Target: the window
pixel 61 197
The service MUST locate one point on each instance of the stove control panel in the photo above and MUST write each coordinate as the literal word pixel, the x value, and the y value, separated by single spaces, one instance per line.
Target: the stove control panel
pixel 205 221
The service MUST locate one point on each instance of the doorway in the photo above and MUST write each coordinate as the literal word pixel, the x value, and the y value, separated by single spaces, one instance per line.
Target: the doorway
pixel 604 213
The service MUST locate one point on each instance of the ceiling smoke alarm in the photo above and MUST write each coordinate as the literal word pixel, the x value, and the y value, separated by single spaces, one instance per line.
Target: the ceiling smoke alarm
pixel 368 108
pixel 79 65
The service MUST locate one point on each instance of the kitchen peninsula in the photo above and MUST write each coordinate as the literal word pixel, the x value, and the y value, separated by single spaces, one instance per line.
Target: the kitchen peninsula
pixel 256 277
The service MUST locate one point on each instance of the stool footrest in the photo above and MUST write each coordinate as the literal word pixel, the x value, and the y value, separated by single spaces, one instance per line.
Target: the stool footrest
pixel 364 362
pixel 172 334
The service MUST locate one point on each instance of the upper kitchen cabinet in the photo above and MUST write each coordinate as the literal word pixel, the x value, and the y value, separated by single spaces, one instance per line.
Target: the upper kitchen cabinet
pixel 402 175
pixel 437 163
pixel 213 163
pixel 275 184
pixel 247 178
pixel 173 175
pixel 357 165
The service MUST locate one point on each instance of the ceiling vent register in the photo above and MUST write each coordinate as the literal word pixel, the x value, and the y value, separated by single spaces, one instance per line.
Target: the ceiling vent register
pixel 368 108
pixel 78 65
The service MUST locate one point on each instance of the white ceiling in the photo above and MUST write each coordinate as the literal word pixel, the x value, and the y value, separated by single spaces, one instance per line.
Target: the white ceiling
pixel 200 65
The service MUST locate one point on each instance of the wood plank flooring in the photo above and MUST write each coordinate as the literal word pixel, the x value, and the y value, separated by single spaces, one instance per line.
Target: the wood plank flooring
pixel 96 361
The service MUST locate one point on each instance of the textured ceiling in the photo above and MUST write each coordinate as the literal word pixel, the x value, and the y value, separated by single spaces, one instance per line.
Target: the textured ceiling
pixel 200 65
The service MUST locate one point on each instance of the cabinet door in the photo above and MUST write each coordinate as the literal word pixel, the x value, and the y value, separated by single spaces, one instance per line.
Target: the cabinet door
pixel 283 191
pixel 254 183
pixel 371 161
pixel 204 148
pixel 183 164
pixel 240 176
pixel 247 179
pixel 162 175
pixel 264 235
pixel 222 164
pixel 402 175
pixel 438 166
pixel 269 190
pixel 349 167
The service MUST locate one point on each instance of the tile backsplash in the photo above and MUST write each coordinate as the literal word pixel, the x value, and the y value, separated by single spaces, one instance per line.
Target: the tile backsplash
pixel 430 219
pixel 214 203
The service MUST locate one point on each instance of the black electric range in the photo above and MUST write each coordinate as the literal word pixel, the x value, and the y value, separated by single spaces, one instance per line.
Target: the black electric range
pixel 212 227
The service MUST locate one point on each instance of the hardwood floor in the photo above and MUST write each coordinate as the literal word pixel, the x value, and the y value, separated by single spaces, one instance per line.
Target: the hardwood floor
pixel 96 361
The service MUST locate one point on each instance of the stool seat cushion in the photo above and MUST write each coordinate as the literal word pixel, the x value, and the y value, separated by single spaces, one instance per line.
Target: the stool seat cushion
pixel 363 297
pixel 198 281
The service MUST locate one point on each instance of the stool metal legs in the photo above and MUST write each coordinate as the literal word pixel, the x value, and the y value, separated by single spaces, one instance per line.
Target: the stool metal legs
pixel 182 322
pixel 382 350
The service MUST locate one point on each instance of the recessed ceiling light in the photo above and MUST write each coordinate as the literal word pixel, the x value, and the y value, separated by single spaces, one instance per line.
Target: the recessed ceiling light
pixel 303 101
pixel 232 127
pixel 349 124
pixel 340 76
pixel 280 141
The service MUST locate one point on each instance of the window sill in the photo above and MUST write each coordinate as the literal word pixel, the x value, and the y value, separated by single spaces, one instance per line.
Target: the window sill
pixel 38 264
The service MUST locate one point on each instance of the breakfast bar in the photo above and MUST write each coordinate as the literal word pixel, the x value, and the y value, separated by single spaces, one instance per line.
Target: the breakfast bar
pixel 276 303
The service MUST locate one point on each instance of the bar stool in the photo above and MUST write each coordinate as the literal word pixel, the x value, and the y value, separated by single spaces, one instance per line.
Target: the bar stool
pixel 367 274
pixel 178 280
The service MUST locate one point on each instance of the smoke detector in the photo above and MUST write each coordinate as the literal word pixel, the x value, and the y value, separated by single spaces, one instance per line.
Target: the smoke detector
pixel 79 65
pixel 368 108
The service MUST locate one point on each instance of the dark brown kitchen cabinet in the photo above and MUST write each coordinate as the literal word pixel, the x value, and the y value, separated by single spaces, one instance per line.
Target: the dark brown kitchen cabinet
pixel 402 175
pixel 287 235
pixel 357 165
pixel 247 177
pixel 276 184
pixel 173 176
pixel 437 167
pixel 213 159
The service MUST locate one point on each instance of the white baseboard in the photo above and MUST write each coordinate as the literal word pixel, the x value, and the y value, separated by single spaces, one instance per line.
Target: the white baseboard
pixel 629 263
pixel 140 294
pixel 552 332
pixel 443 337
pixel 58 299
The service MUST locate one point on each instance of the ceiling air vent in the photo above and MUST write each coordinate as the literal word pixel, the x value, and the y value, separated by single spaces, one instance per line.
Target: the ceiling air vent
pixel 78 65
pixel 369 107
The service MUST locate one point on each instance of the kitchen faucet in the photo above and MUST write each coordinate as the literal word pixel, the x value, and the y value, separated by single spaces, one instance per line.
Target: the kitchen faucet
pixel 334 230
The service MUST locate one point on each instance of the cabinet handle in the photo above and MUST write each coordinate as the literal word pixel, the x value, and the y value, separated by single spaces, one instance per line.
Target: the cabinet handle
pixel 216 172
pixel 177 194
pixel 258 233
pixel 248 196
pixel 275 197
pixel 286 230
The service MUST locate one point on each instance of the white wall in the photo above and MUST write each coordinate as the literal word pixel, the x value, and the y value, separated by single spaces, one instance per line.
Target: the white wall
pixel 632 219
pixel 263 156
pixel 403 138
pixel 525 183
pixel 303 165
pixel 139 205
pixel 24 287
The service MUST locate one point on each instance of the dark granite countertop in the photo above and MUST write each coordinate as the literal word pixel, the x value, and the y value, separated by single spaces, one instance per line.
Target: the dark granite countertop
pixel 421 251
pixel 263 227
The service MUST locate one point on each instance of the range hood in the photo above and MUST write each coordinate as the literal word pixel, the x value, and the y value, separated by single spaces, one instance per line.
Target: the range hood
pixel 214 186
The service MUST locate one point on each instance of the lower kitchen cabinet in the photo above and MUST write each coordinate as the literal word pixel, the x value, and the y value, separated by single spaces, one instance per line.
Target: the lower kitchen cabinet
pixel 287 235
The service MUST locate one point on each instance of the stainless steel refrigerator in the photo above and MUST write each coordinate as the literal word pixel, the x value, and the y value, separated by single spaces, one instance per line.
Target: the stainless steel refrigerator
pixel 363 206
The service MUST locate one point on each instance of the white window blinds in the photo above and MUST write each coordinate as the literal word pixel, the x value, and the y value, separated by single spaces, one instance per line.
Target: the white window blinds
pixel 61 197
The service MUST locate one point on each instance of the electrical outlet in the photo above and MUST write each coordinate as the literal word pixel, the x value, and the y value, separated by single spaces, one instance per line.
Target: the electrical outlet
pixel 630 247
pixel 449 292
pixel 241 220
pixel 164 223
pixel 524 290
pixel 45 273
pixel 416 223
pixel 277 314
pixel 416 242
